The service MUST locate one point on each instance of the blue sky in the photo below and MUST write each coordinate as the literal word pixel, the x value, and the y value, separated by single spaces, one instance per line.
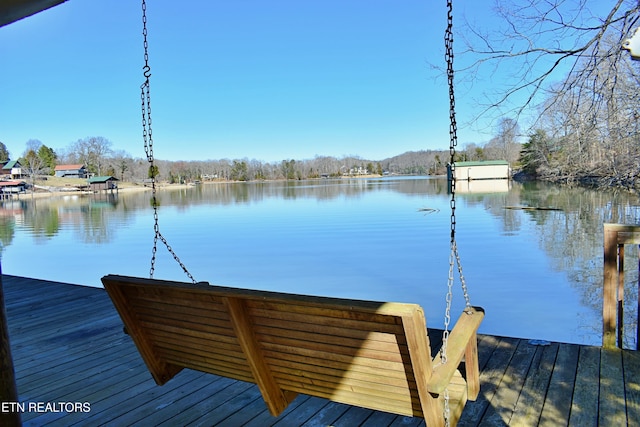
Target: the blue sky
pixel 268 80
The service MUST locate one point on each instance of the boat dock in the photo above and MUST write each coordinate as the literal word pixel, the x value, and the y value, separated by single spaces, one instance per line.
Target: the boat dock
pixel 75 366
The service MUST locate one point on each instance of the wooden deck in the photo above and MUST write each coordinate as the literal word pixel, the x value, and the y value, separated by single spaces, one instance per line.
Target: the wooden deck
pixel 68 346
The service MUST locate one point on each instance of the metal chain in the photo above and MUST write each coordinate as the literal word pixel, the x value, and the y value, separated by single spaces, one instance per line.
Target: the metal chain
pixel 454 257
pixel 453 141
pixel 147 136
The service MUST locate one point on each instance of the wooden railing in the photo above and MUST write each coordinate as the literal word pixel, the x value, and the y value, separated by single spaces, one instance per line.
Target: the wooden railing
pixel 615 237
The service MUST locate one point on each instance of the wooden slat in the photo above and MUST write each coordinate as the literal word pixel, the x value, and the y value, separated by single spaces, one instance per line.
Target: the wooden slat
pixel 373 342
pixel 396 404
pixel 159 328
pixel 275 350
pixel 332 385
pixel 377 312
pixel 384 354
pixel 284 324
pixel 279 327
pixel 187 326
pixel 400 377
pixel 212 363
pixel 208 315
pixel 384 324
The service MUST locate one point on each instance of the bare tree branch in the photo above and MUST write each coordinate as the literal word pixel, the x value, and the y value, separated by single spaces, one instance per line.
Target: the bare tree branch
pixel 542 42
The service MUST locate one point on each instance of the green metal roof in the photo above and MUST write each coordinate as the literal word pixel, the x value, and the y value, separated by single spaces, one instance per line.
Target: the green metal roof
pixel 10 164
pixel 482 163
pixel 98 179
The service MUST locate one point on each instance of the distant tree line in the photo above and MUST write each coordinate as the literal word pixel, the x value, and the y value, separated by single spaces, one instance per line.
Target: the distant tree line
pixel 569 144
pixel 99 158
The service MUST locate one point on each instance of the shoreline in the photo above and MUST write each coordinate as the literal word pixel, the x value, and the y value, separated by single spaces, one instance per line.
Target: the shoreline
pixel 131 187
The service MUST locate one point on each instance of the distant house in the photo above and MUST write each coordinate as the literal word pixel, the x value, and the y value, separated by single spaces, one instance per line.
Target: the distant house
pixel 71 171
pixel 490 169
pixel 98 183
pixel 12 168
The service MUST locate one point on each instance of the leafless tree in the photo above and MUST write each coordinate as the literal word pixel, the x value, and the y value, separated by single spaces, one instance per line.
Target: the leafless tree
pixel 34 166
pixel 541 42
pixel 566 72
pixel 92 151
pixel 123 165
pixel 505 145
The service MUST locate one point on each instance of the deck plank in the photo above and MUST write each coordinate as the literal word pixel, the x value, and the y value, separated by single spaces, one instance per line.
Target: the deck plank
pixel 531 400
pixel 327 415
pixel 491 373
pixel 557 405
pixel 508 391
pixel 264 418
pixel 584 408
pixel 612 408
pixel 68 345
pixel 631 361
pixel 216 403
pixel 354 416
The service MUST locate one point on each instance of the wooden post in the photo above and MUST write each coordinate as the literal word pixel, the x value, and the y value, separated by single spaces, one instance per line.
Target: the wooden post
pixel 615 237
pixel 609 302
pixel 8 390
pixel 620 295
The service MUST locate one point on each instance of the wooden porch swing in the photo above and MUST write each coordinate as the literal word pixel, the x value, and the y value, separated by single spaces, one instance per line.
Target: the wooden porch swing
pixel 374 355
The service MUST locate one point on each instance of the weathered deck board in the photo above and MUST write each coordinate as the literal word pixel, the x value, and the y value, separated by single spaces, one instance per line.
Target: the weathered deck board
pixel 632 386
pixel 612 408
pixel 68 346
pixel 584 409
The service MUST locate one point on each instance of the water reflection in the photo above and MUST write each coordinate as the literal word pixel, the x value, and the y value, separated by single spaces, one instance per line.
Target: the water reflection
pixel 367 230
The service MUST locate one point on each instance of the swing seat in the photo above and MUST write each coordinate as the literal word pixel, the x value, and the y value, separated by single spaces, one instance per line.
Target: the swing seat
pixel 362 353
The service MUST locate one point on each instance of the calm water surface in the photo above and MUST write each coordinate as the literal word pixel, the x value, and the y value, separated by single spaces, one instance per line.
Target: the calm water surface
pixel 537 273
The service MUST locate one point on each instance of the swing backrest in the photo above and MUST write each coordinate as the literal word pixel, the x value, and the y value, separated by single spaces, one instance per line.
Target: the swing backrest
pixel 368 354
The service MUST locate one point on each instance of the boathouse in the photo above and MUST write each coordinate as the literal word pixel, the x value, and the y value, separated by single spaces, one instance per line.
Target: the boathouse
pixel 489 169
pixel 98 183
pixel 8 188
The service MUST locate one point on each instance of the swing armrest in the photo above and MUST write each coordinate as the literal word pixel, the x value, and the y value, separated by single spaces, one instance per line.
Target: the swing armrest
pixel 462 341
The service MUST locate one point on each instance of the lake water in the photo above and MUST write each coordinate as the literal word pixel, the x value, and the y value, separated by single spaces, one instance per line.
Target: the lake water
pixel 537 273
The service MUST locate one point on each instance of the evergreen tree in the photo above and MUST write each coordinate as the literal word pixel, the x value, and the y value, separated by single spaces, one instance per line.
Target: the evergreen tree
pixel 4 153
pixel 48 157
pixel 535 153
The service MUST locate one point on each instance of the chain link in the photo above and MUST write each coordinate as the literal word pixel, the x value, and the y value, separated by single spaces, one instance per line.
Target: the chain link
pixel 147 136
